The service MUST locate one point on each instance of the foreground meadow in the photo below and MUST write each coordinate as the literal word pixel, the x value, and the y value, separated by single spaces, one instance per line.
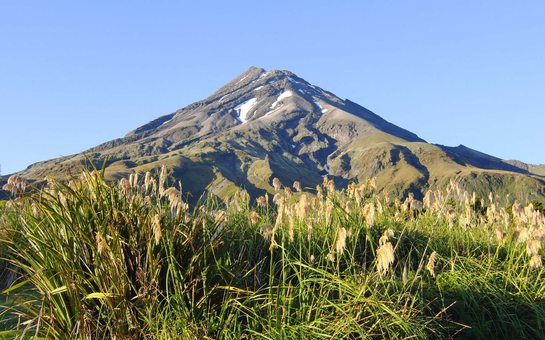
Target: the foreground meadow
pixel 91 259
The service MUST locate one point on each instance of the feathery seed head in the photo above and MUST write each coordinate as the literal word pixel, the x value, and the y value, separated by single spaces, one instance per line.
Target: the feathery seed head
pixel 385 258
pixel 330 187
pixel 15 185
pixel 500 234
pixel 369 214
pixel 536 261
pixel 532 247
pixel 415 205
pixel 319 193
pixel 348 207
pixel 291 228
pixel 358 196
pixel 279 218
pixel 372 183
pixel 388 233
pixel 302 207
pixel 267 231
pixel 133 179
pixel 276 184
pixel 382 240
pixel 431 263
pixel 522 234
pixel 340 240
pixel 310 226
pixel 351 190
pixel 287 192
pixel 125 186
pixel 162 179
pixel 261 201
pixel 278 199
pixel 429 199
pixel 539 234
pixel 147 178
pixel 156 228
pixel 102 245
pixel 254 217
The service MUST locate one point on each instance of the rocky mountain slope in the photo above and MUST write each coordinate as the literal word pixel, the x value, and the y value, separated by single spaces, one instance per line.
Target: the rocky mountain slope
pixel 267 124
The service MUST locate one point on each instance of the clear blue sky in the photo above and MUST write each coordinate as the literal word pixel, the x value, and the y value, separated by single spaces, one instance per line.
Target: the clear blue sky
pixel 74 74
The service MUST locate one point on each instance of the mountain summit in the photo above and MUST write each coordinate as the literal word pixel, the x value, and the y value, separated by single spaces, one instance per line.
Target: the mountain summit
pixel 266 124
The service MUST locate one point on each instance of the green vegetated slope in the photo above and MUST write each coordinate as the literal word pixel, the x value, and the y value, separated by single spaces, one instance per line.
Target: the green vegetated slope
pixel 100 259
pixel 267 124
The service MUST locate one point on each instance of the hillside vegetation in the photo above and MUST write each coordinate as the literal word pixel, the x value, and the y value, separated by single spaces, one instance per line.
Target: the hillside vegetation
pixel 131 259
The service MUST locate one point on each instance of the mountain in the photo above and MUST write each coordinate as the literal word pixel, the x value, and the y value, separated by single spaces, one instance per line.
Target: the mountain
pixel 536 169
pixel 266 124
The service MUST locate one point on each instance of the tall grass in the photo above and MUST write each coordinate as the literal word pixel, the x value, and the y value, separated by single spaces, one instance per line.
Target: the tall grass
pixel 92 259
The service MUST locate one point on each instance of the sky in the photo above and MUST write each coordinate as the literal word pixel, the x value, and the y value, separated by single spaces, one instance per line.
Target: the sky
pixel 74 74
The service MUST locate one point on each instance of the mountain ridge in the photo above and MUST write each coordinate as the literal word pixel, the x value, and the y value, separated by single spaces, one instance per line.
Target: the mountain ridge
pixel 265 124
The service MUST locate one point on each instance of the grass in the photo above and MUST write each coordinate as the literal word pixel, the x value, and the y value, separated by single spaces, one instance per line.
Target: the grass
pixel 130 259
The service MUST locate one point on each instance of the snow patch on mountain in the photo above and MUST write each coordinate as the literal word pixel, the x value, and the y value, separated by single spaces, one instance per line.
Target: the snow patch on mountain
pixel 293 80
pixel 243 109
pixel 282 96
pixel 320 106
